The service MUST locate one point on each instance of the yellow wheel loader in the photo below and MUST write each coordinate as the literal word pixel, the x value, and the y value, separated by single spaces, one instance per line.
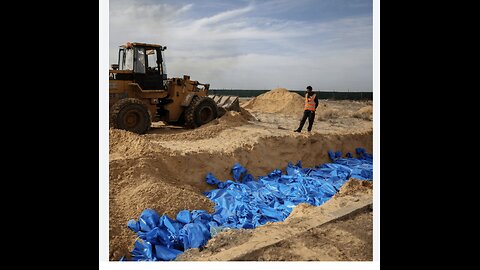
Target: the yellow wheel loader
pixel 141 93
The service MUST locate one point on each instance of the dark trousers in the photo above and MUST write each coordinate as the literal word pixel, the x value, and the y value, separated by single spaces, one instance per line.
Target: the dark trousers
pixel 311 116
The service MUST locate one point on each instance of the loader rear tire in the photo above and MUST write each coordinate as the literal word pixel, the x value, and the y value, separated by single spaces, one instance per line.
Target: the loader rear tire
pixel 201 111
pixel 130 114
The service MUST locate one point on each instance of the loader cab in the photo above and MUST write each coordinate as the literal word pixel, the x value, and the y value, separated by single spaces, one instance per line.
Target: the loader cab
pixel 145 61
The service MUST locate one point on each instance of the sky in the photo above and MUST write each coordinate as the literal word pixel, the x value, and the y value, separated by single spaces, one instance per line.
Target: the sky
pixel 254 44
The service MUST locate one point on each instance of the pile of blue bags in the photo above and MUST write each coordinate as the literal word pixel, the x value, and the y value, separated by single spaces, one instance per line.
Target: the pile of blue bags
pixel 245 202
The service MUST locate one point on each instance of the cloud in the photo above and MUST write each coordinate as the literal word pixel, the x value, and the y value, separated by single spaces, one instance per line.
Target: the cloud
pixel 222 16
pixel 263 71
pixel 244 47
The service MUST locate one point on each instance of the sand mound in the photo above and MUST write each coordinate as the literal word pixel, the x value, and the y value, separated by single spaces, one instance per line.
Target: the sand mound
pixel 232 118
pixel 127 143
pixel 278 100
pixel 211 130
pixel 248 104
pixel 121 138
pixel 137 184
pixel 247 115
pixel 365 113
pixel 354 187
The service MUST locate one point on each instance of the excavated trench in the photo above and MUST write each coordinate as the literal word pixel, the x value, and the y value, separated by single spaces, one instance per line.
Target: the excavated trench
pixel 145 174
pixel 263 157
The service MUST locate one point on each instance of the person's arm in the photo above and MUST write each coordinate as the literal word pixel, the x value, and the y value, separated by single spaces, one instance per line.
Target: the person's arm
pixel 316 101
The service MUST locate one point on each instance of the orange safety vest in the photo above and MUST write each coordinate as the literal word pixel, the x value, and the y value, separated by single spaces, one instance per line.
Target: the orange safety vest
pixel 310 102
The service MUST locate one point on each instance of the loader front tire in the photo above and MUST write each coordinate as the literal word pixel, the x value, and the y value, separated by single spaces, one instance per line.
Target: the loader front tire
pixel 201 111
pixel 130 114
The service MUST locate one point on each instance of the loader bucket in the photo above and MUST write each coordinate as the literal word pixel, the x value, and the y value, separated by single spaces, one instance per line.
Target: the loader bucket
pixel 229 103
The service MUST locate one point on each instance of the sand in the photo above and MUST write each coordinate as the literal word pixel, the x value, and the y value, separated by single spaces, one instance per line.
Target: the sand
pixel 165 169
pixel 278 100
pixel 348 238
pixel 364 113
pixel 139 184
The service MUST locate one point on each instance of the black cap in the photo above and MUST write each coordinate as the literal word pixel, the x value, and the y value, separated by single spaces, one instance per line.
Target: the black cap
pixel 309 87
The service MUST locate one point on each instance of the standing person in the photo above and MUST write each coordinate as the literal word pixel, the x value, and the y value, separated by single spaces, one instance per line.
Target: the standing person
pixel 311 103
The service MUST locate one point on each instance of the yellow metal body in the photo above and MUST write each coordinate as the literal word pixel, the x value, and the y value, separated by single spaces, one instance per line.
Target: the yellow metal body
pixel 173 101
